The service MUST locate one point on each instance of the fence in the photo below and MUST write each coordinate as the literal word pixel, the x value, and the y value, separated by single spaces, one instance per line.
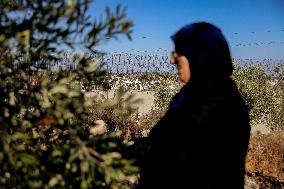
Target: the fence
pixel 140 70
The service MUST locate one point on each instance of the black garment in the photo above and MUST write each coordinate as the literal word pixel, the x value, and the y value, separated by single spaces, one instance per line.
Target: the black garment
pixel 201 142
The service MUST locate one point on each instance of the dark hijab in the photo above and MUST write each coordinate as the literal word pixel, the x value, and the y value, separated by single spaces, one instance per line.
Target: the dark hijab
pixel 208 54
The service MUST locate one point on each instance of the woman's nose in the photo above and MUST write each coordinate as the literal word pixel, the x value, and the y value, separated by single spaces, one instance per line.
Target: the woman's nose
pixel 172 61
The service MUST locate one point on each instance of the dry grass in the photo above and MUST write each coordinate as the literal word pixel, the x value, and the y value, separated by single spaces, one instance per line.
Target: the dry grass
pixel 265 159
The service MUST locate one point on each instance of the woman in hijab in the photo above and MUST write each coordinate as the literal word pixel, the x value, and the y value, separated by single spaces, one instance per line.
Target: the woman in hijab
pixel 202 140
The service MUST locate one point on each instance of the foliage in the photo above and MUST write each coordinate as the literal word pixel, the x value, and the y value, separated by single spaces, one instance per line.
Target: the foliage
pixel 45 142
pixel 162 93
pixel 277 115
pixel 252 81
pixel 263 92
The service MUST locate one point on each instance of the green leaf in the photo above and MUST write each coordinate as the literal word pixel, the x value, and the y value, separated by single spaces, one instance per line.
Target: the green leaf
pixel 84 184
pixel 24 37
pixel 12 99
pixel 20 136
pixel 59 89
pixel 84 165
pixel 55 180
pixel 28 159
pixel 56 153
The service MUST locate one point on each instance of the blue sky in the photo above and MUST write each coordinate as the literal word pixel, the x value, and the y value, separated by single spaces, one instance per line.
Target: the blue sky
pixel 253 28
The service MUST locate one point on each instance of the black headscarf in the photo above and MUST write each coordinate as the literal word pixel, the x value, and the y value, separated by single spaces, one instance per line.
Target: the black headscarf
pixel 207 51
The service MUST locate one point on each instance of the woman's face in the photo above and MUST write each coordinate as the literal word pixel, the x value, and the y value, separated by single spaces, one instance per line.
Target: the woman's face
pixel 182 66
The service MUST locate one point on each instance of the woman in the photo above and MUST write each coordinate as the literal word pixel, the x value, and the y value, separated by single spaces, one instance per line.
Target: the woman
pixel 202 140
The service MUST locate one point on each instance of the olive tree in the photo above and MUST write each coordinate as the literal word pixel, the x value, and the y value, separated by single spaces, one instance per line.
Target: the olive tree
pixel 44 139
pixel 262 91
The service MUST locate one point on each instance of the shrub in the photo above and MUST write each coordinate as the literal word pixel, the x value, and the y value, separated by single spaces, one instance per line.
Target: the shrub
pixel 262 92
pixel 119 113
pixel 163 93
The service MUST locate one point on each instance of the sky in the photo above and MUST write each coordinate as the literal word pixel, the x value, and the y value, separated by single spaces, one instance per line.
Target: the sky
pixel 254 29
